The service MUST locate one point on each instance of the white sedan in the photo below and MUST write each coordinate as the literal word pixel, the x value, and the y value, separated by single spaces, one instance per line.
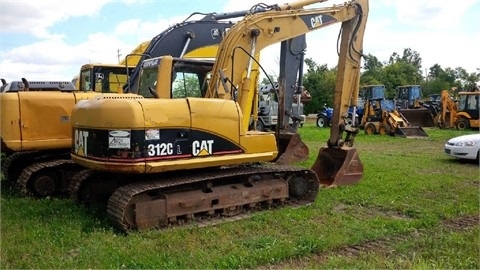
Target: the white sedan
pixel 464 147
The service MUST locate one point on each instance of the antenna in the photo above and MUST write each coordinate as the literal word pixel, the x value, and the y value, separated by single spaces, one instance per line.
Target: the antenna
pixel 118 55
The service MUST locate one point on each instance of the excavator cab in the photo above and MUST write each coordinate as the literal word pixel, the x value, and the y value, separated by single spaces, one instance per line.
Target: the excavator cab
pixel 468 115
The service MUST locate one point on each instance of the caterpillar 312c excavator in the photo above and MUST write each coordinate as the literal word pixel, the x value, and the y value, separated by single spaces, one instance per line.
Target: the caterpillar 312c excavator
pixel 189 154
pixel 36 131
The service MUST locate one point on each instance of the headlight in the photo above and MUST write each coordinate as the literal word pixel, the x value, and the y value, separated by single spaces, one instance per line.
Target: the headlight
pixel 468 143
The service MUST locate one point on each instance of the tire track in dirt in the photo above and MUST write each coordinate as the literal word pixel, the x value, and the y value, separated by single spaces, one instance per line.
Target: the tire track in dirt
pixel 382 245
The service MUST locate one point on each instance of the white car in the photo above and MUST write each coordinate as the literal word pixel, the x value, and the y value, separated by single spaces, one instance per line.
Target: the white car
pixel 464 147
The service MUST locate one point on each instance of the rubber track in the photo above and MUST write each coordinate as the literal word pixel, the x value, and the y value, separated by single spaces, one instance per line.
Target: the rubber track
pixel 25 176
pixel 120 199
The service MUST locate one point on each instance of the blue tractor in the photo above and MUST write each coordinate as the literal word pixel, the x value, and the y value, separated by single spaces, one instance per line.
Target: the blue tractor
pixel 324 117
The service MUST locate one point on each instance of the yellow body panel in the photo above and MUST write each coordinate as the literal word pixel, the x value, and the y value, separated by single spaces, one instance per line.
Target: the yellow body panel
pixel 113 114
pixel 203 52
pixel 218 117
pixel 10 122
pixel 40 120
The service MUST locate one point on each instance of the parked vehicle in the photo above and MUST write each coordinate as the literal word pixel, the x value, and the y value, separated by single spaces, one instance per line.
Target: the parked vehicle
pixel 468 114
pixel 464 147
pixel 324 117
pixel 410 103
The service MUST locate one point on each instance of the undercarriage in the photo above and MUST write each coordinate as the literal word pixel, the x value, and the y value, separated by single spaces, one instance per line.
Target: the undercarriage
pixel 40 174
pixel 172 199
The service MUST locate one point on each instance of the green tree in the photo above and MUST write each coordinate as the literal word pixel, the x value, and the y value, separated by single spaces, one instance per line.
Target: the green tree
pixel 373 71
pixel 439 79
pixel 319 80
pixel 402 70
pixel 467 80
pixel 186 85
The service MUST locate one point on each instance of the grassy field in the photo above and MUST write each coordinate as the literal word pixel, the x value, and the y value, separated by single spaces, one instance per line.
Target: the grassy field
pixel 415 208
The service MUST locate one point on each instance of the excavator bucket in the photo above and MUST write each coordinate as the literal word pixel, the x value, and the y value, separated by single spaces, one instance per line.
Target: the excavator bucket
pixel 338 166
pixel 411 132
pixel 291 149
pixel 419 117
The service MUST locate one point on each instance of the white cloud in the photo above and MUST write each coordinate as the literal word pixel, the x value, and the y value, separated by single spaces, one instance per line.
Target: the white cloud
pixel 35 17
pixel 433 14
pixel 438 30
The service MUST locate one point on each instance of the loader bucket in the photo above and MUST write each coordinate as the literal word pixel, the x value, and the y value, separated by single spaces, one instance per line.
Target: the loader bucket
pixel 410 132
pixel 419 117
pixel 338 166
pixel 291 149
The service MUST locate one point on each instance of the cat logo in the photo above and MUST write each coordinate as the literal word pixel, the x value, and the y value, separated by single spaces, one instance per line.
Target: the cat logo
pixel 316 21
pixel 81 142
pixel 202 148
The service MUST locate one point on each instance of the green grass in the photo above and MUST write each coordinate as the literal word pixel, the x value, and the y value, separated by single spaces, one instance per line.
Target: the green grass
pixel 410 189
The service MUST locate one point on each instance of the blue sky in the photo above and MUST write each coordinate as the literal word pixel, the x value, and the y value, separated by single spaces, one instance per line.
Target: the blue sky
pixel 51 40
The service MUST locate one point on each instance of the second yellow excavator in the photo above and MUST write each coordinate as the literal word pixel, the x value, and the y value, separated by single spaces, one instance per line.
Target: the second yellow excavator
pixel 188 154
pixel 35 129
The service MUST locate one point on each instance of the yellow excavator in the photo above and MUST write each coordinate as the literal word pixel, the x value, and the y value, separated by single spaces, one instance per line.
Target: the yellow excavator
pixel 109 78
pixel 36 134
pixel 188 153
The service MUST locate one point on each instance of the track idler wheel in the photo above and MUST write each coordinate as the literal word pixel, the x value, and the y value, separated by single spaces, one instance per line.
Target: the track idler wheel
pixel 338 166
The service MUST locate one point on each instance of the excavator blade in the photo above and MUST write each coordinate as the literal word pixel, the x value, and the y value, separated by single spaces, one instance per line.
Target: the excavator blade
pixel 419 117
pixel 338 166
pixel 291 149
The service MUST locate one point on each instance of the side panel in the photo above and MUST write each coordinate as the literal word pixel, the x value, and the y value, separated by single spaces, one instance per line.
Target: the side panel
pixel 45 119
pixel 217 116
pixel 10 122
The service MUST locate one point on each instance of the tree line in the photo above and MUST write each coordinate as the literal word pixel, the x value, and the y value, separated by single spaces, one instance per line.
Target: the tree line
pixel 405 69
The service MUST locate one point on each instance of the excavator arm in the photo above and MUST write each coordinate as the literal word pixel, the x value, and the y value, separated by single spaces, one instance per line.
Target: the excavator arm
pixel 235 56
pixel 338 163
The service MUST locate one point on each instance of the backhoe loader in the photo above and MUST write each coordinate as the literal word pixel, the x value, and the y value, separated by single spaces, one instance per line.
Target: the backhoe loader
pixel 382 117
pixel 36 133
pixel 467 115
pixel 409 102
pixel 189 154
